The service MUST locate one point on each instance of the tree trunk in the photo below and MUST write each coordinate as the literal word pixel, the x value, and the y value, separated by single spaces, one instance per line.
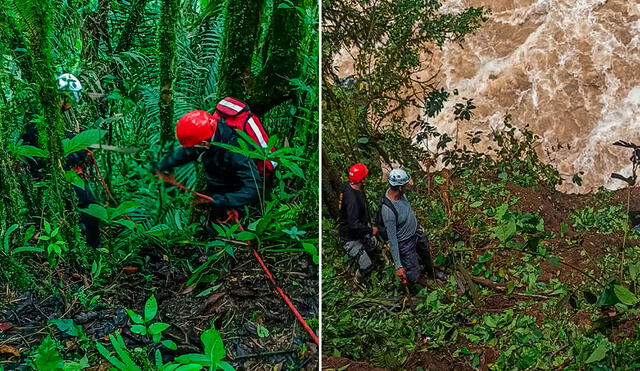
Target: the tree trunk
pixel 167 39
pixel 129 30
pixel 283 60
pixel 242 29
pixel 330 186
pixel 12 203
pixel 50 124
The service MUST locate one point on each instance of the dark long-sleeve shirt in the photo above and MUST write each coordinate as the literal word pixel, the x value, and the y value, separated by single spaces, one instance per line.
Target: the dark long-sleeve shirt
pixel 354 221
pixel 232 178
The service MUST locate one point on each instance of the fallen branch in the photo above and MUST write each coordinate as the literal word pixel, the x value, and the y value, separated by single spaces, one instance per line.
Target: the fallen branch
pixel 265 354
pixel 489 284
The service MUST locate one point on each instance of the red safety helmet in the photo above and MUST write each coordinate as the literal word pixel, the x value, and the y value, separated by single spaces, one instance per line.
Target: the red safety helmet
pixel 195 127
pixel 357 173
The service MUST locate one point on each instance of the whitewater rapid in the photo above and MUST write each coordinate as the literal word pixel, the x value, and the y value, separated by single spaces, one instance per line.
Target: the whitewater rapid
pixel 568 69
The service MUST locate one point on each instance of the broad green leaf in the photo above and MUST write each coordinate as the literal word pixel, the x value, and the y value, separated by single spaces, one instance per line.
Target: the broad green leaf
pixel 263 332
pixel 82 140
pixel 135 317
pixel 295 169
pixel 485 258
pixel 158 230
pixel 624 295
pixel 113 360
pixel 189 368
pixel 199 359
pixel 73 178
pixel 312 250
pixel 158 327
pixel 127 223
pixel 608 297
pixel 27 249
pixel 600 352
pixel 490 321
pixel 5 240
pixel 77 366
pixel 67 326
pixel 505 231
pixel 121 349
pixel 246 138
pixel 246 236
pixel 123 209
pixel 30 151
pixel 225 366
pixel 501 211
pixel 47 356
pixel 564 228
pixel 172 366
pixel 139 329
pixel 150 309
pixel 28 235
pixel 98 211
pixel 170 344
pixel 213 346
pixel 158 358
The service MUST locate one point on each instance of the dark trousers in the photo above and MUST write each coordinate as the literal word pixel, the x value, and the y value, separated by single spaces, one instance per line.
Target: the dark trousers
pixel 90 225
pixel 414 255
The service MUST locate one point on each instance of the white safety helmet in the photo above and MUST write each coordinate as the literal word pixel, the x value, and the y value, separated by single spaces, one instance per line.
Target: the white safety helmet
pixel 398 177
pixel 71 83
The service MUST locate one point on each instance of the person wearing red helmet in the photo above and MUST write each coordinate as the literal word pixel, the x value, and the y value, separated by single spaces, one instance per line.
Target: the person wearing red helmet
pixel 232 178
pixel 354 225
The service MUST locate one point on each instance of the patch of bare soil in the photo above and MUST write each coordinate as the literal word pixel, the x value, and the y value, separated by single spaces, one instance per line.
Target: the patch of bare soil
pixel 497 302
pixel 581 250
pixel 626 329
pixel 436 360
pixel 552 206
pixel 244 299
pixel 330 363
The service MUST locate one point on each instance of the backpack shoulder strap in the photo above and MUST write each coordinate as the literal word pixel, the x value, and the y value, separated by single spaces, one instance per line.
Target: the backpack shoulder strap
pixel 384 201
pixel 341 195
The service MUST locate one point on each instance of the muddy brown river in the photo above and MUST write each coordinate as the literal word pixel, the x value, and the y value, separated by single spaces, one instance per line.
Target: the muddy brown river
pixel 568 69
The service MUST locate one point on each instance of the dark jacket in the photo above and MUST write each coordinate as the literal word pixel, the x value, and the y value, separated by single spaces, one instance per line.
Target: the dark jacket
pixel 353 223
pixel 233 180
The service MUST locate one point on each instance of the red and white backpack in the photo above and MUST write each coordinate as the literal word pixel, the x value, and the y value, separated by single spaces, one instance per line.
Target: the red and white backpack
pixel 237 115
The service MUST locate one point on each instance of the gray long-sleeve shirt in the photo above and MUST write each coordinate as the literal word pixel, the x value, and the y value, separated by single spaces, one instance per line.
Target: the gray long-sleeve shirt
pixel 399 230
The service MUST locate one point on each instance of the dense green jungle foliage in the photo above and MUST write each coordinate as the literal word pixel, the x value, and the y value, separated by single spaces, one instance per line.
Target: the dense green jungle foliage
pixel 537 279
pixel 142 65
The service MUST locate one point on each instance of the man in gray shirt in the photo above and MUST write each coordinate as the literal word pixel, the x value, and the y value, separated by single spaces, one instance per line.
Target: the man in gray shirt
pixel 409 245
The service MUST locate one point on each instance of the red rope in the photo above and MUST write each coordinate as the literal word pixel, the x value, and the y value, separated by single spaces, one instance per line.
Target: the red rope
pixel 95 164
pixel 172 180
pixel 286 299
pixel 234 217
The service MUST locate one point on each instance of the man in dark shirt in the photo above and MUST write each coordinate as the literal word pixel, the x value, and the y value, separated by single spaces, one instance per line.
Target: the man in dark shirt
pixel 232 178
pixel 354 225
pixel 76 161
